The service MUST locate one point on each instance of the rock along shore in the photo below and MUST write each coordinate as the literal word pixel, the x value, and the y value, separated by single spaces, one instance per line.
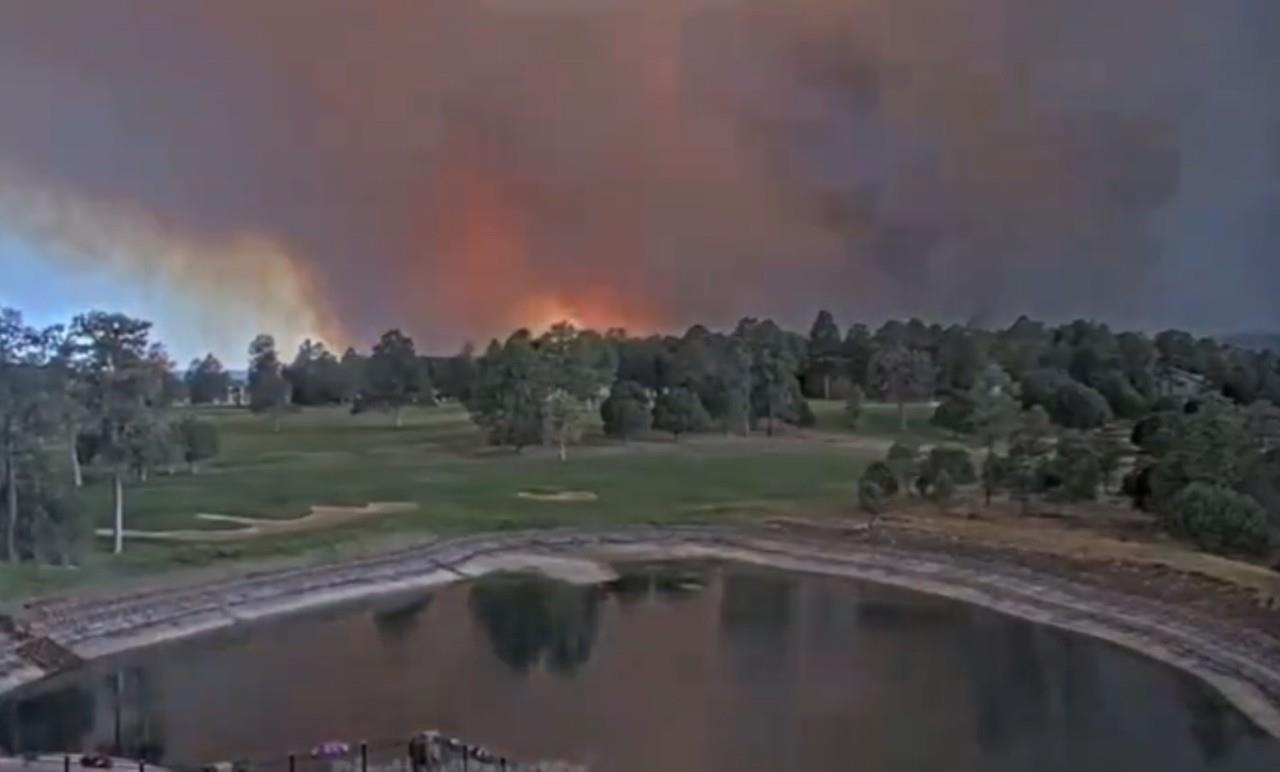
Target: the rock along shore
pixel 1243 665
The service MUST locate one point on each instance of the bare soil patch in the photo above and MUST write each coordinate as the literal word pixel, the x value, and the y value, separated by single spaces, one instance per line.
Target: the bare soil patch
pixel 559 497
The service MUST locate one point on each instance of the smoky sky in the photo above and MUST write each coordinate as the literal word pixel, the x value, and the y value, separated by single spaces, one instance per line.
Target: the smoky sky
pixel 457 168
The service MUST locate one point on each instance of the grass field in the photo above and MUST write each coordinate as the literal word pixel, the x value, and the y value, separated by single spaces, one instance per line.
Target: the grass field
pixel 439 461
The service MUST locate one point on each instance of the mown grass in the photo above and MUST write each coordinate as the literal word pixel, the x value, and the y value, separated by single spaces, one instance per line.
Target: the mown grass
pixel 439 461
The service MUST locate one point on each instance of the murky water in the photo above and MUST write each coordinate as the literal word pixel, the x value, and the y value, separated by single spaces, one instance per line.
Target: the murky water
pixel 672 669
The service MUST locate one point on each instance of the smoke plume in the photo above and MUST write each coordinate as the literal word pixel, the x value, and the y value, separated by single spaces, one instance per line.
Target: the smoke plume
pixel 459 168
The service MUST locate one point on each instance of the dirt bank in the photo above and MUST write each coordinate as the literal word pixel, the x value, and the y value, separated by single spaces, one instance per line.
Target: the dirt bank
pixel 1240 660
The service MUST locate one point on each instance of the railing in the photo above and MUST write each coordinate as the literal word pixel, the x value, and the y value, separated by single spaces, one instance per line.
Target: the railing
pixel 426 752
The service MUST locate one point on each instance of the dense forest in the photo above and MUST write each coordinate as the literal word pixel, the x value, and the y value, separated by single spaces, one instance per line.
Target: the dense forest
pixel 1038 412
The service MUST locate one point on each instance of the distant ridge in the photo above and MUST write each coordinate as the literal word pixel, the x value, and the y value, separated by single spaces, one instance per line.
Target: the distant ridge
pixel 1258 341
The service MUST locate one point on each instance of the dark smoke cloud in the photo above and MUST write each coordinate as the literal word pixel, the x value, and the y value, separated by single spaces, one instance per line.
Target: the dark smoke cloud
pixel 458 167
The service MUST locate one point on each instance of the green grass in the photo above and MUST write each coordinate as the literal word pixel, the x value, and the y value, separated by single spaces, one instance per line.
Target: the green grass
pixel 439 461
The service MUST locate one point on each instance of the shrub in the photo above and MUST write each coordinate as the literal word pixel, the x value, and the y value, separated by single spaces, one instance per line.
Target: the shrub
pixel 884 478
pixel 870 496
pixel 901 461
pixel 1218 519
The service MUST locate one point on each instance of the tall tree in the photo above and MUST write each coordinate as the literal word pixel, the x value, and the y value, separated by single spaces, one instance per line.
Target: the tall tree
pixel 207 381
pixel 580 362
pixel 1030 450
pixel 269 392
pixel 395 377
pixel 826 358
pixel 902 375
pixel 510 392
pixel 24 411
pixel 564 419
pixel 315 375
pixel 776 357
pixel 626 412
pixel 197 441
pixel 124 386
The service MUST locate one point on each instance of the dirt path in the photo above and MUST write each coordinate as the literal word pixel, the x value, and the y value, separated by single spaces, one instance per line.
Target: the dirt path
pixel 1238 658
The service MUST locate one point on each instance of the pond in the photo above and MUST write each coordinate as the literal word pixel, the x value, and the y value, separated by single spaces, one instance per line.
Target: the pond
pixel 673 667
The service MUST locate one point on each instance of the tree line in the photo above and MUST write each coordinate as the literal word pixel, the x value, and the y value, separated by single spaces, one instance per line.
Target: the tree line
pixel 100 392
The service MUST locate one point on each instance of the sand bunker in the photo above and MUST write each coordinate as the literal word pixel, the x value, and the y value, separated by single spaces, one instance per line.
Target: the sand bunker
pixel 318 519
pixel 558 496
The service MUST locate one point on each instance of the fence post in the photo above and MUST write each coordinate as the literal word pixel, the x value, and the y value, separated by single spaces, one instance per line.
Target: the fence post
pixel 142 765
pixel 364 756
pixel 293 763
pixel 66 763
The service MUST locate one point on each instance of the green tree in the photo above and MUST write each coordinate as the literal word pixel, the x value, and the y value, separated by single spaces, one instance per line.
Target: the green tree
pixel 902 375
pixel 679 411
pixel 207 381
pixel 776 357
pixel 995 474
pixel 197 441
pixel 124 385
pixel 853 407
pixel 884 477
pixel 871 499
pixel 564 419
pixel 1110 452
pixel 857 351
pixel 1030 449
pixel 1124 400
pixel 1076 468
pixel 961 358
pixel 510 391
pixel 580 362
pixel 942 489
pixel 626 412
pixel 394 376
pixel 826 358
pixel 25 412
pixel 954 414
pixel 315 376
pixel 269 392
pixel 1077 406
pixel 1218 519
pixel 995 406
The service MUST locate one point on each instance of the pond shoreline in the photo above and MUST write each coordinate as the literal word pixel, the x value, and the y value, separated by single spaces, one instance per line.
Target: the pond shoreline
pixel 1242 665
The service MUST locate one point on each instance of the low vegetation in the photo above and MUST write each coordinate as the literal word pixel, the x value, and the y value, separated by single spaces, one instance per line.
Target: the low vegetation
pixel 98 430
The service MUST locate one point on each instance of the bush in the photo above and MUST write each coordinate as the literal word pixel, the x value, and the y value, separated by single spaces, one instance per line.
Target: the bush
pixel 956 462
pixel 901 461
pixel 1218 519
pixel 883 477
pixel 1077 406
pixel 870 496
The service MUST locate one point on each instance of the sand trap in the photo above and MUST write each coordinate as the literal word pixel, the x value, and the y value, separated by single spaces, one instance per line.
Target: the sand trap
pixel 318 519
pixel 558 496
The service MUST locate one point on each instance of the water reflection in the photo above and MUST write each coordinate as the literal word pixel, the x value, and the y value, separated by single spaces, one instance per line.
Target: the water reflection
pixel 734 668
pixel 530 620
pixel 397 622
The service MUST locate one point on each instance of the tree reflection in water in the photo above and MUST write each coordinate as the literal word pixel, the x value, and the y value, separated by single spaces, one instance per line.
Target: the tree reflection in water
pixel 530 620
